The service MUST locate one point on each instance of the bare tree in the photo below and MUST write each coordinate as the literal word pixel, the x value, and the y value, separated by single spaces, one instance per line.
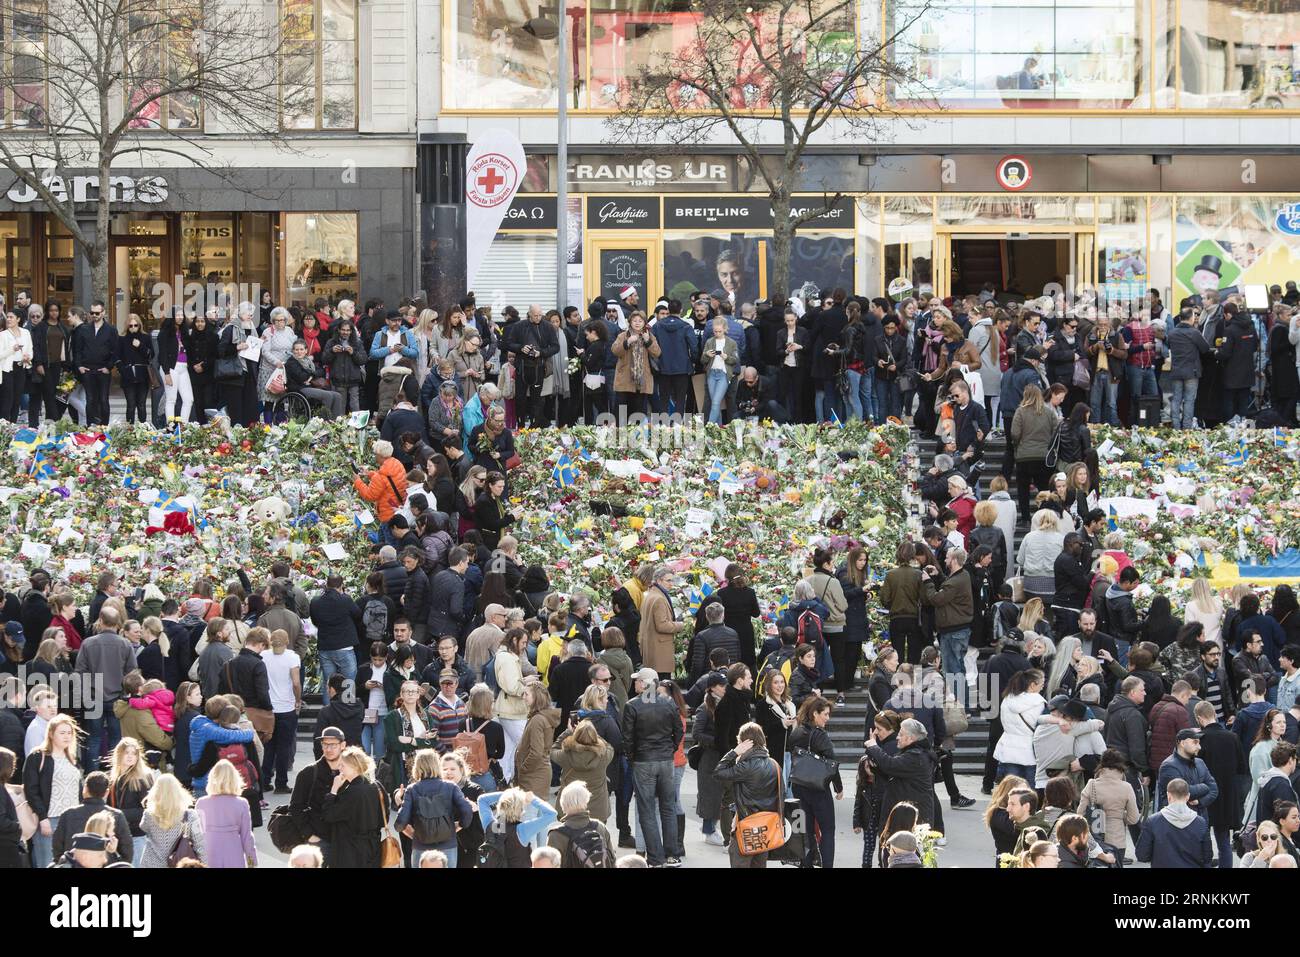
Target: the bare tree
pixel 96 82
pixel 754 64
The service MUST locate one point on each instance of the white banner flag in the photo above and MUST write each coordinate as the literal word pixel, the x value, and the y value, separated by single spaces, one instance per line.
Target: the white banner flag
pixel 493 172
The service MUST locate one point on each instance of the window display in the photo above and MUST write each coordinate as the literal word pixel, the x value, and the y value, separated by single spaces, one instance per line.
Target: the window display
pixel 738 267
pixel 320 257
pixel 1230 242
pixel 1236 55
pixel 503 55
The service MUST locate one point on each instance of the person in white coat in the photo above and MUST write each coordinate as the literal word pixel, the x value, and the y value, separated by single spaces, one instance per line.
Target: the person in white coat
pixel 15 363
pixel 1022 705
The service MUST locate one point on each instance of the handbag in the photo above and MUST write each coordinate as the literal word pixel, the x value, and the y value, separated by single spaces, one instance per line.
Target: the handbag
pixel 954 718
pixel 229 368
pixel 184 844
pixel 263 721
pixel 390 849
pixel 27 818
pixel 506 381
pixel 593 381
pixel 809 770
pixel 693 755
pixel 370 716
pixel 763 831
pixel 514 462
pixel 1082 373
pixel 1054 452
pixel 155 382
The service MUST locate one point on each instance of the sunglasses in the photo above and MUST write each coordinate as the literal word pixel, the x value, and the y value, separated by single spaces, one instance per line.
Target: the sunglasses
pixel 93 313
pixel 1268 837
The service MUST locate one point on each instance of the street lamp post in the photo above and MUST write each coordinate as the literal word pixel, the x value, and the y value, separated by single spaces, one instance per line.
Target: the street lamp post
pixel 562 166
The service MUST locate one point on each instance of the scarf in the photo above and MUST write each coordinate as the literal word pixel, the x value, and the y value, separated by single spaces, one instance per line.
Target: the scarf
pixel 560 366
pixel 638 363
pixel 931 343
pixel 306 363
pixel 454 411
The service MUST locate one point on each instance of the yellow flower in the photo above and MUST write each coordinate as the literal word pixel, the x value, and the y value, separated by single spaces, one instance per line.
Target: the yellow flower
pixel 636 521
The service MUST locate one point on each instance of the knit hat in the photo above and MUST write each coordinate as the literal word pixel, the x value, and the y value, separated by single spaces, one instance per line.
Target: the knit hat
pixel 195 606
pixel 904 841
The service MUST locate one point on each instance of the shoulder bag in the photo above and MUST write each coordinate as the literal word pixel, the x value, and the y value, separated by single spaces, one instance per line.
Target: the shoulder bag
pixel 263 720
pixel 390 849
pixel 809 770
pixel 1054 451
pixel 184 846
pixel 230 368
pixel 763 831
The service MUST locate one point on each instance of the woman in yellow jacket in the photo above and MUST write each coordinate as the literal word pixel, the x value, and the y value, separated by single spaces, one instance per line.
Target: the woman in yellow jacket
pixel 511 708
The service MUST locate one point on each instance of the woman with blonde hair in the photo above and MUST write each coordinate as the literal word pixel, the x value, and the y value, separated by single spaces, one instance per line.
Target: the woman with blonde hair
pixel 1041 854
pixel 514 820
pixel 1033 617
pixel 448 333
pixel 129 780
pixel 479 720
pixel 1038 552
pixel 1205 609
pixel 52 783
pixel 467 495
pixel 469 838
pixel 431 810
pixel 355 812
pixel 52 656
pixel 996 818
pixel 582 755
pixel 1268 844
pixel 425 332
pixel 169 817
pixel 226 821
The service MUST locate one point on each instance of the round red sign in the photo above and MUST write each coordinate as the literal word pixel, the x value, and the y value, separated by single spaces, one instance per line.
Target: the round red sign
pixel 1014 173
pixel 490 180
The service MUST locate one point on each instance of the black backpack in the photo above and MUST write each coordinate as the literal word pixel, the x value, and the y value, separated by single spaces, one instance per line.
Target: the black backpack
pixel 587 848
pixel 492 853
pixel 374 618
pixel 431 827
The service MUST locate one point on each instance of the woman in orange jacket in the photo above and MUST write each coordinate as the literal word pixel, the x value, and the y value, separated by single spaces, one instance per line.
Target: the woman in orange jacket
pixel 386 486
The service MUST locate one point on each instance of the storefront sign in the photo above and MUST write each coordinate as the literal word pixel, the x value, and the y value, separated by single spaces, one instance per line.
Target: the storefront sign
pixel 602 172
pixel 750 212
pixel 623 212
pixel 620 268
pixel 1288 219
pixel 493 171
pixel 85 189
pixel 529 212
pixel 1014 173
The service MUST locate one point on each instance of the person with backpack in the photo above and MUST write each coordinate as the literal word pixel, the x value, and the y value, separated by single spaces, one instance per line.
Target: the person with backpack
pixel 378 611
pixel 757 784
pixel 431 810
pixel 483 740
pixel 507 837
pixel 581 838
pixel 829 592
pixel 205 729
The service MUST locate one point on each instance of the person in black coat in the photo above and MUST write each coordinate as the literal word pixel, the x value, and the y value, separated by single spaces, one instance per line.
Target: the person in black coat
pixel 245 674
pixel 345 715
pixel 1237 361
pixel 741 608
pixel 492 512
pixel 200 340
pixel 353 811
pixel 134 353
pixel 909 774
pixel 1226 761
pixel 94 798
pixel 12 852
pixel 96 348
pixel 827 354
pixel 1284 380
pixel 791 351
pixel 36 614
pixel 734 710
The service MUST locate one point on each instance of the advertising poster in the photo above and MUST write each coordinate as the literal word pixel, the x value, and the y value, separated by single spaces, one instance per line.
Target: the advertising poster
pixel 729 265
pixel 1125 276
pixel 1230 242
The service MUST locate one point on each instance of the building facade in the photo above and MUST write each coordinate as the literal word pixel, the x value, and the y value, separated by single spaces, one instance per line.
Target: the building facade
pixel 328 212
pixel 1119 145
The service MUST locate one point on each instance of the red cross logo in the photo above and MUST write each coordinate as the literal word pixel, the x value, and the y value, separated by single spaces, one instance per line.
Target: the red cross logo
pixel 491 180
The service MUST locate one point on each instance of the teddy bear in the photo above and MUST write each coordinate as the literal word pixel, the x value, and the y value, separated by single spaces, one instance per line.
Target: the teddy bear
pixel 272 509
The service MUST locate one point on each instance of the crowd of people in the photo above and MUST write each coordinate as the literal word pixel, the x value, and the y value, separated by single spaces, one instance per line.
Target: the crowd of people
pixel 473 716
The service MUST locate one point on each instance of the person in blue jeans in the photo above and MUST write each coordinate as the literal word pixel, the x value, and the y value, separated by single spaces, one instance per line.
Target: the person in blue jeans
pixel 341 661
pixel 953 603
pixel 819 810
pixel 720 359
pixel 430 804
pixel 652 730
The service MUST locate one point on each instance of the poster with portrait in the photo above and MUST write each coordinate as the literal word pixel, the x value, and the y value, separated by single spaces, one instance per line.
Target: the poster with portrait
pixel 1230 242
pixel 729 265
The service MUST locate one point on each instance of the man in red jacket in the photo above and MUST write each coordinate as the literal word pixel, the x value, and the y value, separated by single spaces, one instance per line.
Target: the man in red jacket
pixel 1168 717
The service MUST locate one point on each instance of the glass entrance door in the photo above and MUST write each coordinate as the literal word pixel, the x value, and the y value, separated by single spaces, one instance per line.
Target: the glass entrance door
pixel 139 268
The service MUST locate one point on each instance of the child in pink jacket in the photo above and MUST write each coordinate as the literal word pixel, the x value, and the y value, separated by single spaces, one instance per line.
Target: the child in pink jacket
pixel 161 702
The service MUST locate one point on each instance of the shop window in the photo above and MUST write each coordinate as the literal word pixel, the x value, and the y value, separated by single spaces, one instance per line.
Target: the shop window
pixel 160 64
pixel 24 44
pixel 15 255
pixel 999 210
pixel 320 257
pixel 60 259
pixel 1021 54
pixel 256 253
pixel 208 248
pixel 1230 242
pixel 504 57
pixel 1234 55
pixel 318 65
pixel 741 266
pixel 1123 256
pixel 909 241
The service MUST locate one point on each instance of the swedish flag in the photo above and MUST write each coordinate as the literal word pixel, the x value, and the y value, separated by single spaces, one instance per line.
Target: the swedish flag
pixel 565 472
pixel 1279 438
pixel 167 502
pixel 1112 523
pixel 41 467
pixel 720 473
pixel 835 420
pixel 129 480
pixel 582 452
pixel 563 539
pixel 1239 458
pixel 782 605
pixel 24 440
